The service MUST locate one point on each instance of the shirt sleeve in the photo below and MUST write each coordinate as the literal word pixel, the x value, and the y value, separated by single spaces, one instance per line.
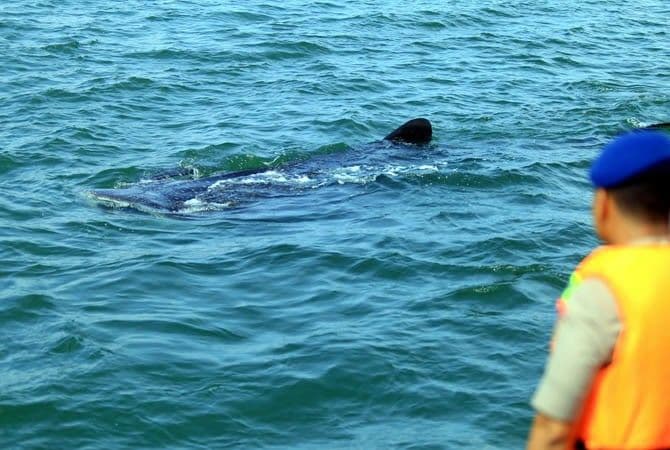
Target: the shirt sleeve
pixel 584 339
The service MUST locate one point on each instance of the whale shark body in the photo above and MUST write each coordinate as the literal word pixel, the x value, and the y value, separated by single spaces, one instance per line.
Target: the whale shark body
pixel 170 195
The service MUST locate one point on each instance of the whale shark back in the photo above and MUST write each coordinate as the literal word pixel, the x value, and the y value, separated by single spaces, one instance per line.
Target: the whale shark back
pixel 133 197
pixel 231 188
pixel 163 195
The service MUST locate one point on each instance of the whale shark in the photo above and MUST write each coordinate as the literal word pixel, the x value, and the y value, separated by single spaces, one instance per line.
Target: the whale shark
pixel 165 194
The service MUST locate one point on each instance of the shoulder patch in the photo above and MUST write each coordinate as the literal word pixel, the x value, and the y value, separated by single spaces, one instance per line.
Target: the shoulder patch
pixel 563 302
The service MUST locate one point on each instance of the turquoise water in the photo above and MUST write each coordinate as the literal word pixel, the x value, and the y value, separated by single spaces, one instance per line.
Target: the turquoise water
pixel 404 304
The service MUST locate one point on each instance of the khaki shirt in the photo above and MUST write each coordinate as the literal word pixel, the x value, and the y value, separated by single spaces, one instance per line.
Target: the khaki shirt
pixel 584 339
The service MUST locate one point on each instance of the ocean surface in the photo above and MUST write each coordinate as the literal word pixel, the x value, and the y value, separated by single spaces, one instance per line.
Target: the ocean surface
pixel 400 303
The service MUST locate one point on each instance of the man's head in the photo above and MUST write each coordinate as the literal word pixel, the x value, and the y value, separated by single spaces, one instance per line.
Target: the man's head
pixel 632 181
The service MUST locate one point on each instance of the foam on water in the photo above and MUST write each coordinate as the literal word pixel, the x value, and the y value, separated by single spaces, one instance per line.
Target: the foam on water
pixel 276 177
pixel 195 205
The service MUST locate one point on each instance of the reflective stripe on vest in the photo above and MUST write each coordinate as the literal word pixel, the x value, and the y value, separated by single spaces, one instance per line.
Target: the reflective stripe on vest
pixel 628 405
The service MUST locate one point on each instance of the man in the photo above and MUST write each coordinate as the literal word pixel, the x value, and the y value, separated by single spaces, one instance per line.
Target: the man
pixel 607 380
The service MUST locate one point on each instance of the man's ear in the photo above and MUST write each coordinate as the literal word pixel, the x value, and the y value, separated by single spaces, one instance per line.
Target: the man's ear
pixel 602 204
pixel 602 210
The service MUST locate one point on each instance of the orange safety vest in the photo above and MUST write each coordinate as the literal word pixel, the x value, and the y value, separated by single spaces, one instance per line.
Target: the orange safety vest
pixel 628 404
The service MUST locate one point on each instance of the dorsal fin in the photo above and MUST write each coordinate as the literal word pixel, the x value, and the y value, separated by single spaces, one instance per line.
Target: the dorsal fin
pixel 416 131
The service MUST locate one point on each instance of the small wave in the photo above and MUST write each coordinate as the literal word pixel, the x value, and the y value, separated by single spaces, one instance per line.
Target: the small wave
pixel 133 83
pixel 488 181
pixel 68 344
pixel 62 94
pixel 162 54
pixel 309 48
pixel 566 60
pixel 117 178
pixel 282 50
pixel 27 307
pixel 251 17
pixel 65 47
pixel 7 164
pixel 432 25
pixel 500 12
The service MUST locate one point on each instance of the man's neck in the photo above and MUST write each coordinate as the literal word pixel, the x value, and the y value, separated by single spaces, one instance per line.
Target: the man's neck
pixel 636 232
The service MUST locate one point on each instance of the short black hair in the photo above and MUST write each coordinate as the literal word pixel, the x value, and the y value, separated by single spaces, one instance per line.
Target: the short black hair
pixel 646 196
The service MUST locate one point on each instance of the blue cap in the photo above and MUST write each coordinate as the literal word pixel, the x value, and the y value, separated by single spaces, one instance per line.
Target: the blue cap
pixel 628 156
